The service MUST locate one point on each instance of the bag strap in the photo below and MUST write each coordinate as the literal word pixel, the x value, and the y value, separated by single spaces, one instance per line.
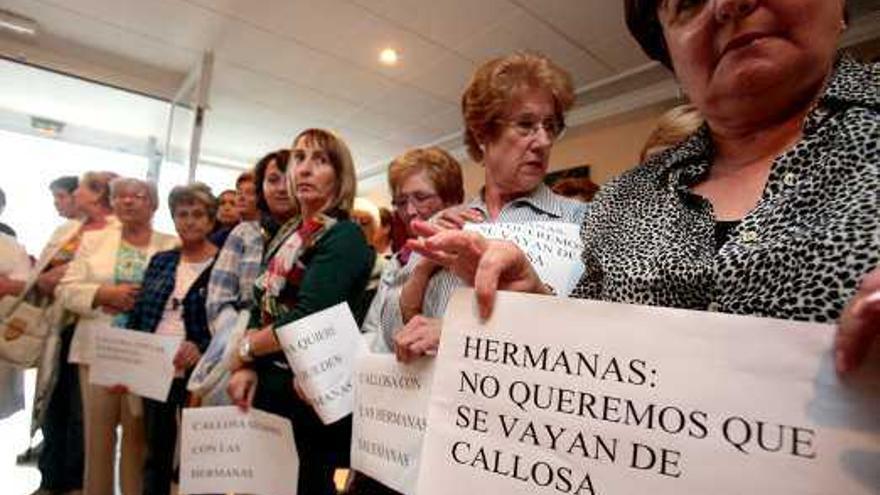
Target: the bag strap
pixel 20 298
pixel 38 270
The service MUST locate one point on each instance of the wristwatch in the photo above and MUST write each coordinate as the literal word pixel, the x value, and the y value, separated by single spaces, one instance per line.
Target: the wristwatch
pixel 245 352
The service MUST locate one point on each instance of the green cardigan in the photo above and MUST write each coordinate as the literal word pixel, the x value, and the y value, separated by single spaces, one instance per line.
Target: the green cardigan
pixel 337 269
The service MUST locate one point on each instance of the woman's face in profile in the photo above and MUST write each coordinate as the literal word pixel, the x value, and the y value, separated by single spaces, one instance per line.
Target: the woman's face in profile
pixel 723 50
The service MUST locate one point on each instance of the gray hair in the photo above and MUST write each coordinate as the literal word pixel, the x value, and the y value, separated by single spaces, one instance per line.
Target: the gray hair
pixel 195 192
pixel 149 186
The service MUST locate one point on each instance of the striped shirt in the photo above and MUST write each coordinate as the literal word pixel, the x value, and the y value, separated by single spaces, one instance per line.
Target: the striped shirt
pixel 232 279
pixel 540 206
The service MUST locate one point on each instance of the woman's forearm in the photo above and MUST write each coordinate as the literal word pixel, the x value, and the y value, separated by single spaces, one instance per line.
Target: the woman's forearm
pixel 10 287
pixel 263 341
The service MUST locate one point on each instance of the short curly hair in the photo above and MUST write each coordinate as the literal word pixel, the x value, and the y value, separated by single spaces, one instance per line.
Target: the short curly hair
pixel 442 170
pixel 496 84
pixel 195 192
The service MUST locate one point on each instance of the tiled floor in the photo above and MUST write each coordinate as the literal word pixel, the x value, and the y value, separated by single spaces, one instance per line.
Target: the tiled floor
pixel 17 480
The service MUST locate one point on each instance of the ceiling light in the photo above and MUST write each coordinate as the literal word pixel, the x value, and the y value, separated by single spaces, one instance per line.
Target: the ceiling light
pixel 47 127
pixel 16 23
pixel 388 56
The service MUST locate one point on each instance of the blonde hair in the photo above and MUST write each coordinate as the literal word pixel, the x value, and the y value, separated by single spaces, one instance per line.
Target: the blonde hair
pixel 99 183
pixel 442 170
pixel 496 84
pixel 672 128
pixel 342 162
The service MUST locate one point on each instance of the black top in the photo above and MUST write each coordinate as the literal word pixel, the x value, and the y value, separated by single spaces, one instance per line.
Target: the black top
pixel 723 229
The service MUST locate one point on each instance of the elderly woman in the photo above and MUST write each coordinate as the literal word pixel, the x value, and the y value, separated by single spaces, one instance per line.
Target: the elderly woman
pixel 58 409
pixel 265 203
pixel 770 209
pixel 101 285
pixel 423 182
pixel 514 110
pixel 318 259
pixel 172 302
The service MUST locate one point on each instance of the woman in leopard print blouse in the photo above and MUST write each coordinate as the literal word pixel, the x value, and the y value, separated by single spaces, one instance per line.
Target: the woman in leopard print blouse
pixel 770 209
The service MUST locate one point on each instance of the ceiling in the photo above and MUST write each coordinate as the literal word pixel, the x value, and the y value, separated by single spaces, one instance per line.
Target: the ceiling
pixel 284 65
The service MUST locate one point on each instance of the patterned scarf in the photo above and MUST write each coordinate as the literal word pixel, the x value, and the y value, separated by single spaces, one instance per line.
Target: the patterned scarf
pixel 284 254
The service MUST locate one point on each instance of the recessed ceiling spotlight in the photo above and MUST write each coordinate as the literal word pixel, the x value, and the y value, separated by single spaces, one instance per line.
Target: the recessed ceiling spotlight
pixel 388 56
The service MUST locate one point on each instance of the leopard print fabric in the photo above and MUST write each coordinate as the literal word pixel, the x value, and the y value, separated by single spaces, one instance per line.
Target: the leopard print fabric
pixel 799 254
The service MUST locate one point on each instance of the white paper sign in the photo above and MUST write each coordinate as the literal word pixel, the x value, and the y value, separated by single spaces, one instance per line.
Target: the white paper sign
pixel 558 396
pixel 553 248
pixel 321 349
pixel 390 418
pixel 143 362
pixel 225 450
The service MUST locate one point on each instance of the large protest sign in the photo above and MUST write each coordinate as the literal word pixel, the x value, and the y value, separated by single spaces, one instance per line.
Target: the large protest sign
pixel 223 450
pixel 553 248
pixel 557 395
pixel 321 349
pixel 143 362
pixel 390 418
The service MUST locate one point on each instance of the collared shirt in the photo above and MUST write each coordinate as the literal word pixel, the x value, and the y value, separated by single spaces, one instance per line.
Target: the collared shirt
pixel 237 266
pixel 542 205
pixel 799 254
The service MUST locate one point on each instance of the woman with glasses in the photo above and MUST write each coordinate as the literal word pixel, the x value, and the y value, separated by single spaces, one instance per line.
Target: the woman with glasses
pixel 423 181
pixel 100 286
pixel 514 110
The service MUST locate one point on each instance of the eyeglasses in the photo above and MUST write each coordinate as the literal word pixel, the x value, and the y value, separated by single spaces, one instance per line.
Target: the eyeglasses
pixel 419 200
pixel 528 126
pixel 139 196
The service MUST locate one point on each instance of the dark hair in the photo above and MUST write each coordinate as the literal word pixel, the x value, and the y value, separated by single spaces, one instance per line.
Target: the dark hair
pixel 280 157
pixel 644 26
pixel 2 199
pixel 67 183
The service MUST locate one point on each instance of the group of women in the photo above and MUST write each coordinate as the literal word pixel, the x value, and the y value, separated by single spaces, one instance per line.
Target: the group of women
pixel 769 209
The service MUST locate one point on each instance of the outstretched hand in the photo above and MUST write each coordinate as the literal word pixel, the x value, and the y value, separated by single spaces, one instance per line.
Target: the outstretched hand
pixel 486 265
